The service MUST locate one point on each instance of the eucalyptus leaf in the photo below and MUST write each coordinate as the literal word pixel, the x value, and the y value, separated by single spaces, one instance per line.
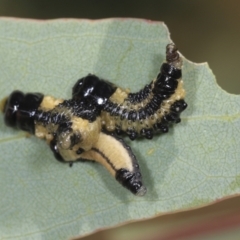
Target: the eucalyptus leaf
pixel 195 164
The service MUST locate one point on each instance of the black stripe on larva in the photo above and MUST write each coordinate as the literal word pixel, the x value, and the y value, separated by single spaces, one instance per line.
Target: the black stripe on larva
pixel 105 158
pixel 52 117
pixel 139 96
pixel 65 110
pixel 20 110
pixel 151 108
pixel 84 109
pixel 155 102
pixel 110 107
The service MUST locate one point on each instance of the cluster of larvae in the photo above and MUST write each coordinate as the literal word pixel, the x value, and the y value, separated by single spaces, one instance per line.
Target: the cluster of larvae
pixel 86 127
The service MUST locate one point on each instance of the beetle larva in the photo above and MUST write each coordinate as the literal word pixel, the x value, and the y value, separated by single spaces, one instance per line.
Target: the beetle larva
pixel 150 110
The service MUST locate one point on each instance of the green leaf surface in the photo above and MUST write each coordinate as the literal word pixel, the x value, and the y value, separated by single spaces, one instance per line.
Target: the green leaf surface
pixel 196 163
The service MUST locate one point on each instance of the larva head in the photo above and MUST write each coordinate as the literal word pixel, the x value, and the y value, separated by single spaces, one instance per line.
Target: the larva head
pixel 94 89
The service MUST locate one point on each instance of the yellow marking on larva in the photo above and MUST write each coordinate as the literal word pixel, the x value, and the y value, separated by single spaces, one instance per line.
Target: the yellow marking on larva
pixel 119 96
pixel 43 133
pixel 89 132
pixel 107 151
pixel 114 151
pixel 49 102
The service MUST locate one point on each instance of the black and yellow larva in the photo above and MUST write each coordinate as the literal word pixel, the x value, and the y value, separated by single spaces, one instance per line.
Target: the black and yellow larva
pixel 80 128
pixel 150 110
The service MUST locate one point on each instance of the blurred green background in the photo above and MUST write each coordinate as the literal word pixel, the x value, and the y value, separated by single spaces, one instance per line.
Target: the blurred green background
pixel 204 31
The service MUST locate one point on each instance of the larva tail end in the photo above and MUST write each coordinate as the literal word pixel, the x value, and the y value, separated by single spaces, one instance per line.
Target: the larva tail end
pixel 132 181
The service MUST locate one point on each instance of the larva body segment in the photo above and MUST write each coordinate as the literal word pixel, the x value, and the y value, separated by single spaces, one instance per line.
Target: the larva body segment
pixel 72 128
